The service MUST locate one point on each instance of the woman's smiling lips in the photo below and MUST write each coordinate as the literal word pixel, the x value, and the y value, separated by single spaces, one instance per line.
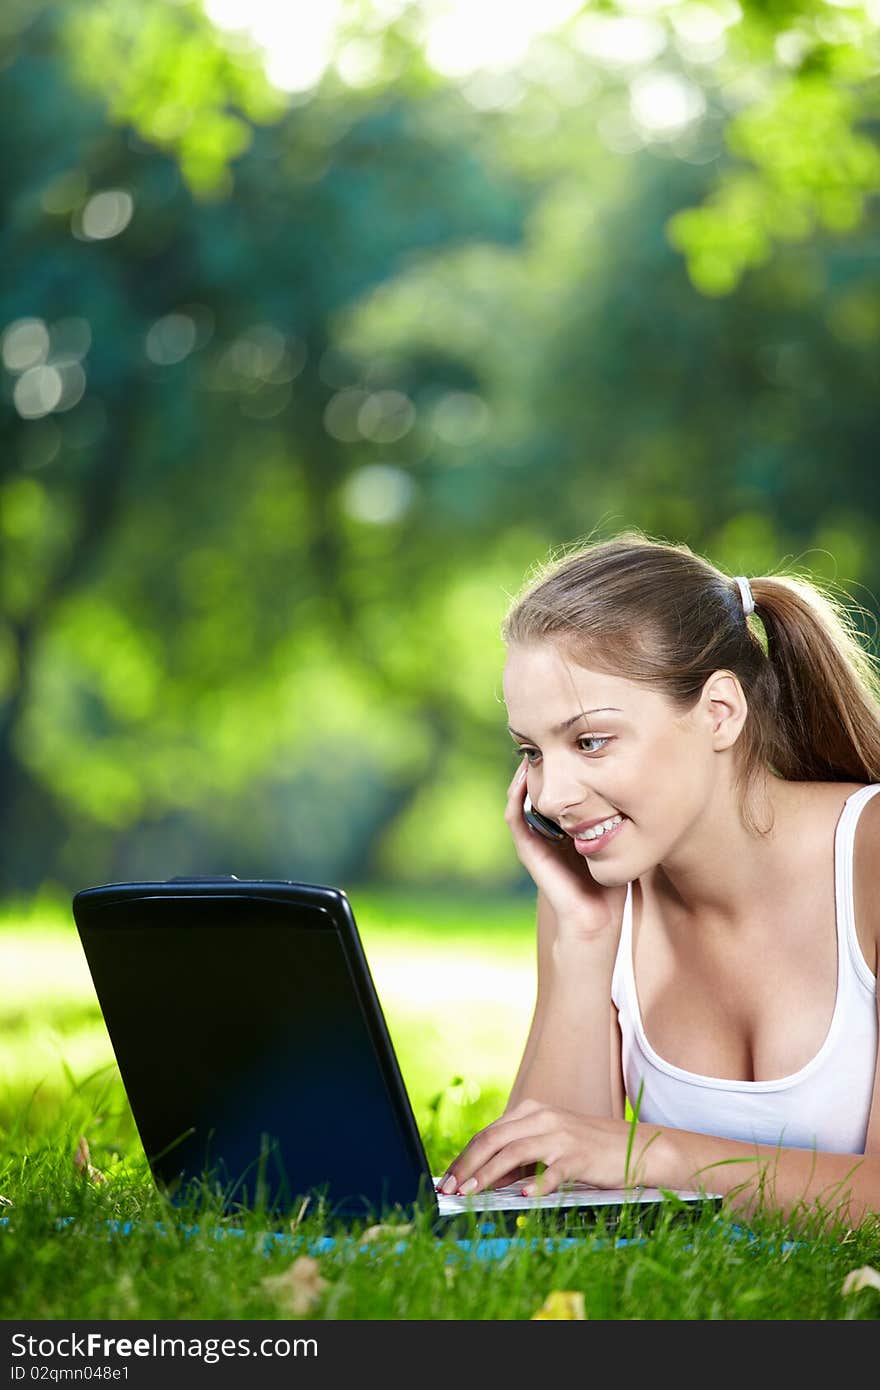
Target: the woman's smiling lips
pixel 589 824
pixel 598 842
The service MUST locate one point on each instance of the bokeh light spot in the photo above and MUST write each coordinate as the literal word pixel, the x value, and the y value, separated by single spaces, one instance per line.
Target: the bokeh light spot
pixel 296 39
pixel 377 493
pixel 258 352
pixel 38 391
pixel 170 339
pixel 359 63
pixel 493 91
pixel 25 343
pixel 493 34
pixel 73 383
pixel 106 214
pixel 460 417
pixel 386 416
pixel 663 103
pixel 619 41
pixel 341 414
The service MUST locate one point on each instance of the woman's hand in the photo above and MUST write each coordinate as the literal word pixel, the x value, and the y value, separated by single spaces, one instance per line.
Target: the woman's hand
pixel 582 906
pixel 579 1148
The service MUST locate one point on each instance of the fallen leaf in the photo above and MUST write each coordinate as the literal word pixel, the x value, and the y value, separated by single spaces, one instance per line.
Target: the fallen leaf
pixel 299 1287
pixel 82 1160
pixel 562 1304
pixel 377 1232
pixel 864 1278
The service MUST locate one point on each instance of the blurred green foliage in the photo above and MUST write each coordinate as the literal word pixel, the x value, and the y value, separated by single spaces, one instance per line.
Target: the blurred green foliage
pixel 802 124
pixel 295 389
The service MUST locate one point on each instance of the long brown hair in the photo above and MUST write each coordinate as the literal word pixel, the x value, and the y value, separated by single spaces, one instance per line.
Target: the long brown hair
pixel 658 613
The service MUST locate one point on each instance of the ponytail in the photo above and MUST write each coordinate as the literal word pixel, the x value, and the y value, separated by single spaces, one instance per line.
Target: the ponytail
pixel 827 692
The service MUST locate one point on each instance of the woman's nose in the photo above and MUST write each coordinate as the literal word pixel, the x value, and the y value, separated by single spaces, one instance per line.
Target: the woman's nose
pixel 555 793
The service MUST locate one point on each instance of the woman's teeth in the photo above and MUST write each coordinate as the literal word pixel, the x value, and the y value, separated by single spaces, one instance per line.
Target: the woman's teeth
pixel 596 830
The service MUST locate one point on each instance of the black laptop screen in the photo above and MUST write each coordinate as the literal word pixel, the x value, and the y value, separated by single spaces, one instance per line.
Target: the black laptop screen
pixel 239 1031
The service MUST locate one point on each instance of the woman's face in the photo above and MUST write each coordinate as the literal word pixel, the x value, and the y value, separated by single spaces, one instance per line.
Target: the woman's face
pixel 599 746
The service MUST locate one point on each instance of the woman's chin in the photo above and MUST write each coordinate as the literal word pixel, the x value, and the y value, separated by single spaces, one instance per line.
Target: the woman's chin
pixel 609 876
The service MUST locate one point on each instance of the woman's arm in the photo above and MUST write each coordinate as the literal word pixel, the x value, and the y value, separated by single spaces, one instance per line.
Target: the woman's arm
pixel 801 1183
pixel 572 1053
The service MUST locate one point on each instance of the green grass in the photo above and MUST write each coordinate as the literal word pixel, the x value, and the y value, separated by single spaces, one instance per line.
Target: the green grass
pixel 62 1255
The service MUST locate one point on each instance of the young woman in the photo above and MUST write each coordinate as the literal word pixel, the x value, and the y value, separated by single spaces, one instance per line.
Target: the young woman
pixel 709 926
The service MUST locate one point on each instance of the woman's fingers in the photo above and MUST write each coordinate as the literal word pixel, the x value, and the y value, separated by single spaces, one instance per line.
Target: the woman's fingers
pixel 488 1140
pixel 542 1183
pixel 521 1174
pixel 515 1141
pixel 518 781
pixel 516 795
pixel 567 1145
pixel 521 1153
pixel 481 1147
pixel 465 1164
pixel 535 853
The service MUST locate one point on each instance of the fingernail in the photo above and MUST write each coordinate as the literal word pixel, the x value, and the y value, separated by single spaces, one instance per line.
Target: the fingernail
pixel 528 1190
pixel 469 1186
pixel 448 1184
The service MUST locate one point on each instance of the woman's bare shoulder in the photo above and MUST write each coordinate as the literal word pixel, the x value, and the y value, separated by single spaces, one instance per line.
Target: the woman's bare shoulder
pixel 866 880
pixel 813 815
pixel 805 812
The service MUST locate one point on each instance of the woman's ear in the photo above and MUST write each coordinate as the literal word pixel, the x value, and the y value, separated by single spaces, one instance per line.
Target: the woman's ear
pixel 726 708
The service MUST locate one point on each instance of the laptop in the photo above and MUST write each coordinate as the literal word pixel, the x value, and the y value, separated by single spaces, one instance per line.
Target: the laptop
pixel 257 1062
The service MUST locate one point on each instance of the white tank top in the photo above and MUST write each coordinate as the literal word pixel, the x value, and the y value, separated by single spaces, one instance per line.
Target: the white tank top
pixel 826 1104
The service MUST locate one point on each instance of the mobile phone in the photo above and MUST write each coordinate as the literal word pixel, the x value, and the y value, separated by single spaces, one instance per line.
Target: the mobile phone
pixel 542 824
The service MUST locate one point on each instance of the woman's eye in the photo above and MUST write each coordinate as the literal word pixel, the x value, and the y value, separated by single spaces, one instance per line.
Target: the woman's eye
pixel 589 738
pixel 531 754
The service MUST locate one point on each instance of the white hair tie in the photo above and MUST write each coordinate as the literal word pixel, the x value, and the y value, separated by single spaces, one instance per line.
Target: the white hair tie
pixel 745 591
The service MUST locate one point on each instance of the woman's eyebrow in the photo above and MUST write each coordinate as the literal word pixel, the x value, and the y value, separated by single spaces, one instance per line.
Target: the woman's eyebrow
pixel 567 723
